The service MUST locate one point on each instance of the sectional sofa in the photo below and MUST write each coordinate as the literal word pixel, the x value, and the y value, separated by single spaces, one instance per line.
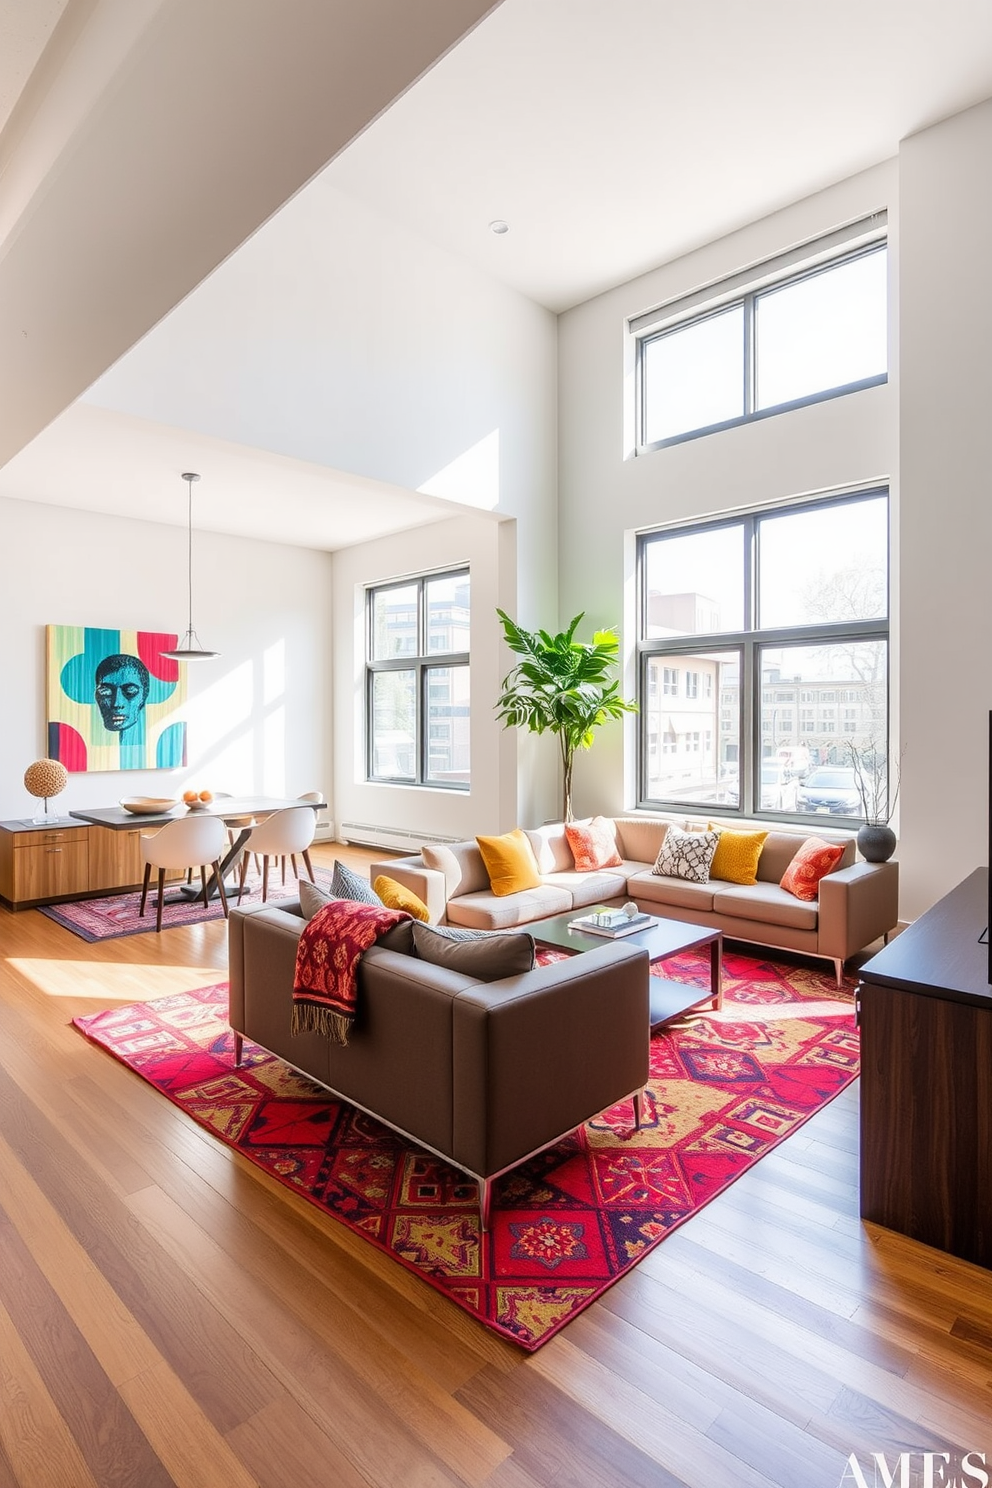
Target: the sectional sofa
pixel 857 902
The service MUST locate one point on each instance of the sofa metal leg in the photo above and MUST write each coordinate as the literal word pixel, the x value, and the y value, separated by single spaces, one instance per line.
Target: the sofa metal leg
pixel 638 1100
pixel 239 1044
pixel 839 969
pixel 485 1201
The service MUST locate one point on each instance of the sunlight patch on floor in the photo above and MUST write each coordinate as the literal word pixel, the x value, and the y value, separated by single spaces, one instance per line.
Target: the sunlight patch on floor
pixel 110 981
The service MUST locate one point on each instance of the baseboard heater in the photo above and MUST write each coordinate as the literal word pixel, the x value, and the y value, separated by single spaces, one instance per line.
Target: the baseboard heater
pixel 397 839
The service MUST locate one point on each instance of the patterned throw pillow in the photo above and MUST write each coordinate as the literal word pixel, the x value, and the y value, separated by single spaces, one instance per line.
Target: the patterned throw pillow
pixel 345 884
pixel 736 856
pixel 813 861
pixel 593 844
pixel 396 896
pixel 686 855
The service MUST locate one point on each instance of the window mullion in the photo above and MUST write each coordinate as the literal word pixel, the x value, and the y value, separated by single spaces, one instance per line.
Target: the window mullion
pixel 749 354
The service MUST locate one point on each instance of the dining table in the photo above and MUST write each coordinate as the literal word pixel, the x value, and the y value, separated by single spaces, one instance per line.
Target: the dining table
pixel 239 813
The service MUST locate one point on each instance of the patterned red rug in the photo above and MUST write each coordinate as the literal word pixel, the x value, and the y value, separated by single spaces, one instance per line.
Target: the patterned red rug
pixel 117 915
pixel 725 1088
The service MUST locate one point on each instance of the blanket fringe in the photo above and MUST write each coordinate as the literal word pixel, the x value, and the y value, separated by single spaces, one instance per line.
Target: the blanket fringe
pixel 309 1017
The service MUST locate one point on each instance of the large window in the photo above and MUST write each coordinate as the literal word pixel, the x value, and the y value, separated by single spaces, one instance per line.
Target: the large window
pixel 811 335
pixel 417 675
pixel 764 609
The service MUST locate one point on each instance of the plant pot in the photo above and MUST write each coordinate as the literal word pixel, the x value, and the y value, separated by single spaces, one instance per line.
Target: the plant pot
pixel 876 842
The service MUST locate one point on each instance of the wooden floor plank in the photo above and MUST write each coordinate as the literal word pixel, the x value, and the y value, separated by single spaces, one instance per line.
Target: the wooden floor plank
pixel 113 1446
pixel 36 1441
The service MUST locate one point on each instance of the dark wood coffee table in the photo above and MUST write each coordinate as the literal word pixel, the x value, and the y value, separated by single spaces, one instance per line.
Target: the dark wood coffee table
pixel 662 939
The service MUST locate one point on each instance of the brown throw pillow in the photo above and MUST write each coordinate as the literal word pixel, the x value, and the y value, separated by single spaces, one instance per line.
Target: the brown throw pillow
pixel 486 955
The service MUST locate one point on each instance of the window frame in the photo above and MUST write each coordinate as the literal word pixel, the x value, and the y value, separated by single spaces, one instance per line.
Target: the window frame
pixel 747 299
pixel 422 664
pixel 749 643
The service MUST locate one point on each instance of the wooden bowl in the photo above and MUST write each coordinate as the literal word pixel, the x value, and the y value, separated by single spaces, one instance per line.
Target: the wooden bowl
pixel 148 805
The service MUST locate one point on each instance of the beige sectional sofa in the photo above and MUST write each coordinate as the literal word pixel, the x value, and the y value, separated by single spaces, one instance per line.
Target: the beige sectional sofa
pixel 857 902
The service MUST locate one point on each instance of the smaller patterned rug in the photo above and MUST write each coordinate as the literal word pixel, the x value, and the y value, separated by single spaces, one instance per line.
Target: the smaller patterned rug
pixel 724 1089
pixel 117 915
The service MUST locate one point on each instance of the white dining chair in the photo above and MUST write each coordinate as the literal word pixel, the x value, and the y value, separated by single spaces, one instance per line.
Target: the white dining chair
pixel 284 834
pixel 188 842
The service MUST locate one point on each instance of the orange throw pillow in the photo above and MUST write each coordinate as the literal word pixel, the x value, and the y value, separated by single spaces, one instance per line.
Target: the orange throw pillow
pixel 812 862
pixel 593 845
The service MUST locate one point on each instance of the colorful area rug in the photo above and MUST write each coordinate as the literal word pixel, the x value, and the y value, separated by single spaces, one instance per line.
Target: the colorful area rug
pixel 725 1088
pixel 117 915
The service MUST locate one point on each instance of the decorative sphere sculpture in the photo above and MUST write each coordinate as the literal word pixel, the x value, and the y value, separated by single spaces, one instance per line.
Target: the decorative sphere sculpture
pixel 45 778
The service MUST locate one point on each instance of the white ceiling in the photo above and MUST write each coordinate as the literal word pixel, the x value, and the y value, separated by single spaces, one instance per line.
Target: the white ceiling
pixel 612 135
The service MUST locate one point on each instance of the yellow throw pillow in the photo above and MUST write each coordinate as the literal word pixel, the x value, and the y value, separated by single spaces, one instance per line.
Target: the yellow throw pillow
pixel 736 856
pixel 395 896
pixel 510 862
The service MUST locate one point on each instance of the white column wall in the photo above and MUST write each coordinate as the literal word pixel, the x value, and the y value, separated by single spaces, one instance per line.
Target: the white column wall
pixel 605 498
pixel 945 313
pixel 258 715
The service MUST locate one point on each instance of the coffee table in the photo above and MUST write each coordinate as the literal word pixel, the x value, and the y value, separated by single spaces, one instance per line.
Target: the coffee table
pixel 662 939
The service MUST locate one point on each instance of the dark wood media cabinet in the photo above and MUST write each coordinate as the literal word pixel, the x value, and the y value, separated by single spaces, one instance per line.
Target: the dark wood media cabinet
pixel 925 1011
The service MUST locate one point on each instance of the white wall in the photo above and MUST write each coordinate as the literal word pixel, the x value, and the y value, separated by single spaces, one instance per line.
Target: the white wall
pixel 604 497
pixel 259 715
pixel 946 457
pixel 504 790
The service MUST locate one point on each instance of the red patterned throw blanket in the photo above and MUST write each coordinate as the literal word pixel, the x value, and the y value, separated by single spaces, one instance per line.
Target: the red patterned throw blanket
pixel 327 957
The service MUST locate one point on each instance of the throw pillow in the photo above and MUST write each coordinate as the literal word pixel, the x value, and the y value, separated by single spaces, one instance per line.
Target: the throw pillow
pixel 736 856
pixel 313 898
pixel 397 938
pixel 812 862
pixel 488 956
pixel 345 884
pixel 396 896
pixel 686 855
pixel 593 844
pixel 510 862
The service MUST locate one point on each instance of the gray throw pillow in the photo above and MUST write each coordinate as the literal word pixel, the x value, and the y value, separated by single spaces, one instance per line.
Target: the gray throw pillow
pixel 486 955
pixel 346 884
pixel 396 938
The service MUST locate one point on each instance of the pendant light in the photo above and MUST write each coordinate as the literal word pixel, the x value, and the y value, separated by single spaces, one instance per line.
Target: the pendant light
pixel 190 649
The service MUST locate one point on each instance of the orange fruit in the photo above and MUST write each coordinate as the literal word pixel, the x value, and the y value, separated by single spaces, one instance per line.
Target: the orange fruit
pixel 190 795
pixel 206 795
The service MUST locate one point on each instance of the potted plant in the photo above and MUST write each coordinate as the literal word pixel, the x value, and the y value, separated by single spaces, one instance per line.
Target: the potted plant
pixel 562 686
pixel 876 839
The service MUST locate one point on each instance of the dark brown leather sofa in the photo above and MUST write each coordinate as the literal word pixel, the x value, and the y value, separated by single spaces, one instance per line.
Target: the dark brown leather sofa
pixel 484 1074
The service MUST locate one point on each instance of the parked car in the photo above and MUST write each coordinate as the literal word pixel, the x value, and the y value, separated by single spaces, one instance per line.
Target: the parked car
pixel 830 789
pixel 778 786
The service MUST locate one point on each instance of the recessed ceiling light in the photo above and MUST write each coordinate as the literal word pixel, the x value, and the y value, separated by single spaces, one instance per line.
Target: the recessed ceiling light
pixel 499 226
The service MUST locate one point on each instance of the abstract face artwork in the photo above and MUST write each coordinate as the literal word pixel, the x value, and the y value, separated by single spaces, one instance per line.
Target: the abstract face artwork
pixel 114 700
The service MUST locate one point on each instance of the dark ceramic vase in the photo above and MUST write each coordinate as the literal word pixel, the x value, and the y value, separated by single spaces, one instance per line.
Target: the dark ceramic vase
pixel 876 842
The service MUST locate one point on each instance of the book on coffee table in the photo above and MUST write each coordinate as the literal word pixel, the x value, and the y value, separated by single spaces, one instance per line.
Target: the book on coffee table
pixel 611 923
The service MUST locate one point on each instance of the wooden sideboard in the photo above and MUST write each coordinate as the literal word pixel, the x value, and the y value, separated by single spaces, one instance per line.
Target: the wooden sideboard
pixel 67 860
pixel 925 1011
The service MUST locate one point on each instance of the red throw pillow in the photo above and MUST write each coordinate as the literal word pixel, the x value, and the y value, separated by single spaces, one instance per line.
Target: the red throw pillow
pixel 812 862
pixel 593 845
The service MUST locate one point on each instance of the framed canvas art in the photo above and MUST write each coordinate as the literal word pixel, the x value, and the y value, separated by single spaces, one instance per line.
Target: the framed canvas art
pixel 114 701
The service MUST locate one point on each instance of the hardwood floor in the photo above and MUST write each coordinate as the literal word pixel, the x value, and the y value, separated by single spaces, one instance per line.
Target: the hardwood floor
pixel 169 1315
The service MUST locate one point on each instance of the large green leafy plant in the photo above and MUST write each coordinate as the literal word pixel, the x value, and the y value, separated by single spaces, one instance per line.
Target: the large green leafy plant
pixel 563 687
